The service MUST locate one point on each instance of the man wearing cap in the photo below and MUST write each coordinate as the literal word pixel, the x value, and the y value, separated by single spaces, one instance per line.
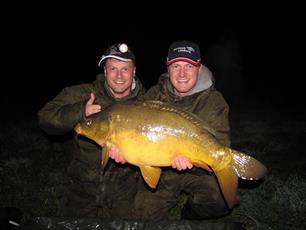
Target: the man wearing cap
pixel 93 192
pixel 188 85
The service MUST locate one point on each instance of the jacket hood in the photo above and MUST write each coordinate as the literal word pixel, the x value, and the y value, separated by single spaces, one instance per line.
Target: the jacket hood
pixel 205 81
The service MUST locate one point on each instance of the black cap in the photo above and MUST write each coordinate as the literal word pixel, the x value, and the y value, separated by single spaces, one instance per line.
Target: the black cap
pixel 184 51
pixel 118 51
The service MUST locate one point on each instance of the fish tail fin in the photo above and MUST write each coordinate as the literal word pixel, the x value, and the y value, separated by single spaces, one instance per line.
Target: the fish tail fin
pixel 248 167
pixel 228 182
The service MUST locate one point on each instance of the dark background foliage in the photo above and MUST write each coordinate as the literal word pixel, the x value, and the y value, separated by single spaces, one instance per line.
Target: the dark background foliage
pixel 254 51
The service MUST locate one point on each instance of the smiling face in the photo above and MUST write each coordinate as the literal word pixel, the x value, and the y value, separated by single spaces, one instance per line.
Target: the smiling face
pixel 183 76
pixel 119 76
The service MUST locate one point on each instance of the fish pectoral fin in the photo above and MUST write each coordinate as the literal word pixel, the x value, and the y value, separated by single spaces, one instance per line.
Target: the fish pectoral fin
pixel 150 174
pixel 248 167
pixel 228 182
pixel 104 156
pixel 203 166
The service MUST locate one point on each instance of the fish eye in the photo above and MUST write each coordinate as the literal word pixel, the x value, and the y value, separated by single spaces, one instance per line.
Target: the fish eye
pixel 88 122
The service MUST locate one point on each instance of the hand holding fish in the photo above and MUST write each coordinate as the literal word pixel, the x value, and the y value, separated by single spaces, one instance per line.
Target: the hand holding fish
pixel 115 155
pixel 181 163
pixel 92 108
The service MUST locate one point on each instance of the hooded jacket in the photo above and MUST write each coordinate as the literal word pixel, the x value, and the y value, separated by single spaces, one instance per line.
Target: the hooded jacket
pixel 204 196
pixel 203 100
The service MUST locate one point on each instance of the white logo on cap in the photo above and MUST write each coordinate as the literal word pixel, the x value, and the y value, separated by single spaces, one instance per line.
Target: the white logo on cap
pixel 185 49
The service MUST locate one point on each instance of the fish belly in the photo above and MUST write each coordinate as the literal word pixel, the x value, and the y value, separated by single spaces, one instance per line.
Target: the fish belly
pixel 149 149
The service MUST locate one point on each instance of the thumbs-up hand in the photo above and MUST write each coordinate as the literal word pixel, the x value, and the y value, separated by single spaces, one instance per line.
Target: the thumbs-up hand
pixel 91 108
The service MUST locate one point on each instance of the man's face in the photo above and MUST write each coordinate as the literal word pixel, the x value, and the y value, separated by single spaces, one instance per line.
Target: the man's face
pixel 119 76
pixel 183 76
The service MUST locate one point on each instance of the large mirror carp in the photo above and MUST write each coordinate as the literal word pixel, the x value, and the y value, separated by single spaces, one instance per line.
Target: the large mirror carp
pixel 151 134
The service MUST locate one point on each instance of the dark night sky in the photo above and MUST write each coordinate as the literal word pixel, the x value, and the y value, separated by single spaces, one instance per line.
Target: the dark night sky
pixel 257 52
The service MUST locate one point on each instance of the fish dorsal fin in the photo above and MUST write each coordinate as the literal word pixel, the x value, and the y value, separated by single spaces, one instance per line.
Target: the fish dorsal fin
pixel 248 167
pixel 150 174
pixel 187 115
pixel 228 182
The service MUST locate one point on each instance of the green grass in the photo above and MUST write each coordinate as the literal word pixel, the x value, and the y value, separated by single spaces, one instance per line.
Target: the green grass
pixel 278 203
pixel 33 169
